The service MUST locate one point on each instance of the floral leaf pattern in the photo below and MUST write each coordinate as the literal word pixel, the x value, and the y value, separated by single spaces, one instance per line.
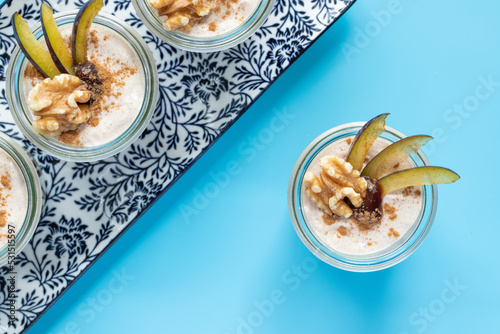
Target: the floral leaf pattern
pixel 88 205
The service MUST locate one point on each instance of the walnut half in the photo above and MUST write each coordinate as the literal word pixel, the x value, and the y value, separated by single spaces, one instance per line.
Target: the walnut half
pixel 337 180
pixel 57 103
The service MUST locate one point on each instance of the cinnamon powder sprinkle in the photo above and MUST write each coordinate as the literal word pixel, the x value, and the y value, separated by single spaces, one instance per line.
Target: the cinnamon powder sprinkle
pixel 226 9
pixel 329 220
pixel 93 121
pixel 368 217
pixel 391 211
pixel 112 81
pixel 393 233
pixel 31 73
pixel 3 218
pixel 70 138
pixel 93 39
pixel 6 184
pixel 348 141
pixel 364 227
pixel 342 230
pixel 407 191
pixel 5 180
pixel 213 26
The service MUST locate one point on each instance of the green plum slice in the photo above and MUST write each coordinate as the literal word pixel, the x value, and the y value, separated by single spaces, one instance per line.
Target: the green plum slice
pixel 33 50
pixel 364 140
pixel 384 162
pixel 55 43
pixel 81 26
pixel 417 176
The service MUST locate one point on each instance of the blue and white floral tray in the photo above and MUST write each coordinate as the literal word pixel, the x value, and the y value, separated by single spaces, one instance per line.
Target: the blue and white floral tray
pixel 89 205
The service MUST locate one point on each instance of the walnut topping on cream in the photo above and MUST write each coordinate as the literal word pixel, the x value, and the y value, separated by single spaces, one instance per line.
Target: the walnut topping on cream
pixel 182 14
pixel 337 180
pixel 57 104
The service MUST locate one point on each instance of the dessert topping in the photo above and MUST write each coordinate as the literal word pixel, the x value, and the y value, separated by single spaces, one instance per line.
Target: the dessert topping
pixel 370 211
pixel 4 185
pixel 390 211
pixel 56 103
pixel 393 233
pixel 182 13
pixel 88 72
pixel 338 180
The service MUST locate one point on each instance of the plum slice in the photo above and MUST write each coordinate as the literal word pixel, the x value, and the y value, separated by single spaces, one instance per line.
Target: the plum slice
pixel 32 48
pixel 81 26
pixel 417 176
pixel 55 43
pixel 384 162
pixel 364 140
pixel 370 211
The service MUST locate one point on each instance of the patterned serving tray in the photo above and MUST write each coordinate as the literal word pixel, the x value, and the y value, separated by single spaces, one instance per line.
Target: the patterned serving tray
pixel 89 205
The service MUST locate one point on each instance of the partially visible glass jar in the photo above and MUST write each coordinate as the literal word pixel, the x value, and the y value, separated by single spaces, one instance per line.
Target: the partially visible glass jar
pixel 188 42
pixel 23 233
pixel 23 116
pixel 385 258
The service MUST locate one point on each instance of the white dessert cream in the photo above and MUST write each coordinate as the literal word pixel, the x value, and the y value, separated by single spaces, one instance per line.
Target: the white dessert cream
pixel 401 211
pixel 204 18
pixel 13 198
pixel 123 88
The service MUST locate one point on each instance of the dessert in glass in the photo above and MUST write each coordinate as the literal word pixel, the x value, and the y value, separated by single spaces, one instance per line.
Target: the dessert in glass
pixel 20 200
pixel 203 25
pixel 363 196
pixel 83 85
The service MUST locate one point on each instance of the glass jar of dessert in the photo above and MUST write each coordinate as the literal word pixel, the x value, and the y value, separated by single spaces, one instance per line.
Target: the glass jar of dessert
pixel 81 86
pixel 362 196
pixel 204 25
pixel 20 199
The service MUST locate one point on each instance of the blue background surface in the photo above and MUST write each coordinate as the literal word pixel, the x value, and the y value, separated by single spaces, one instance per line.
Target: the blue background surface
pixel 223 257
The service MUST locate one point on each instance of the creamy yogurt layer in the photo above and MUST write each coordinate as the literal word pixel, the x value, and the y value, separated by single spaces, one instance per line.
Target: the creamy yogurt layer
pixel 401 212
pixel 119 109
pixel 13 197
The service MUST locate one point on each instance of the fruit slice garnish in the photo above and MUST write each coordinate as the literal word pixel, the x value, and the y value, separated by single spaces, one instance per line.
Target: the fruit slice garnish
pixel 55 43
pixel 417 176
pixel 384 162
pixel 33 50
pixel 364 140
pixel 81 26
pixel 370 211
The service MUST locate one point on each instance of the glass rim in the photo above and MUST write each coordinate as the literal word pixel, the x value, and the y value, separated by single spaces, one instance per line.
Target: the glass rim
pixel 379 260
pixel 20 111
pixel 34 192
pixel 204 44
